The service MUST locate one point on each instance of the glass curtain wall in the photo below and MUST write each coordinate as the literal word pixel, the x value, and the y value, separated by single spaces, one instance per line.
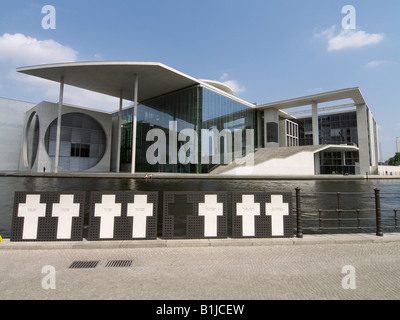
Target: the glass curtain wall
pixel 190 110
pixel 333 129
pixel 221 114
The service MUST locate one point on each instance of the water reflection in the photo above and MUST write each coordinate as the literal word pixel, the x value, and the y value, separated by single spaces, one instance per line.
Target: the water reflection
pixel 8 185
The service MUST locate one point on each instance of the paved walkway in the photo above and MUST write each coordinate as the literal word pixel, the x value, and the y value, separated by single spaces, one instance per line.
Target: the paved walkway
pixel 228 269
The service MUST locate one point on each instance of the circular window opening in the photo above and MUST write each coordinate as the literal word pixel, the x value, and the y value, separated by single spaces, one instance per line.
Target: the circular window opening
pixel 82 142
pixel 32 139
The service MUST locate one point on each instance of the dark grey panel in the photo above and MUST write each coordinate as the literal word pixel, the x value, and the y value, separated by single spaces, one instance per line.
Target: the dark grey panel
pixel 187 215
pixel 254 216
pixel 272 132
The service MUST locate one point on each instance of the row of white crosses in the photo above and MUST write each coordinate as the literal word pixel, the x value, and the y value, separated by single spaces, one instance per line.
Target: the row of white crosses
pixel 66 209
pixel 140 209
pixel 32 210
pixel 108 210
pixel 210 209
pixel 248 209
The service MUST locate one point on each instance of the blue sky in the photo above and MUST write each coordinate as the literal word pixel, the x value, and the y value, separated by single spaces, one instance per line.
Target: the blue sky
pixel 267 50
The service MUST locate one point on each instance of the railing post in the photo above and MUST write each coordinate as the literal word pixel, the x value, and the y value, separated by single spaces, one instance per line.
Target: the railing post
pixel 379 230
pixel 298 214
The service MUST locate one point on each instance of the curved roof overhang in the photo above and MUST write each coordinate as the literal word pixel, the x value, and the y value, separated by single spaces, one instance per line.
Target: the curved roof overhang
pixel 155 79
pixel 222 86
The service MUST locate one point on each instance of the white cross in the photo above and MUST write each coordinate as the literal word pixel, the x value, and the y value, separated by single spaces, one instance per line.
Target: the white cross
pixel 277 209
pixel 107 210
pixel 139 210
pixel 248 209
pixel 210 210
pixel 31 210
pixel 65 211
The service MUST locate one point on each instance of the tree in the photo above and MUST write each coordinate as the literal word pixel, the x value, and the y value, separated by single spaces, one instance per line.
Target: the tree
pixel 395 161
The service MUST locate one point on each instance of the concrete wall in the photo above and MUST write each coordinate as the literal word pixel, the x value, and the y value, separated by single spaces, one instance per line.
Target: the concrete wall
pixel 11 127
pixel 301 163
pixel 388 171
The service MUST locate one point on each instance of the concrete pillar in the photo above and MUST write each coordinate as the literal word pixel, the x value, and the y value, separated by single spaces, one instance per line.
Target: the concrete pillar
pixel 317 164
pixel 135 106
pixel 363 138
pixel 259 130
pixel 315 128
pixel 58 137
pixel 119 133
pixel 271 123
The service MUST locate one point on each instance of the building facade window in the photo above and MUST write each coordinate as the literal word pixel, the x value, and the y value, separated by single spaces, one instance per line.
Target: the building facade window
pixel 80 150
pixel 193 108
pixel 82 142
pixel 337 129
pixel 292 133
pixel 333 129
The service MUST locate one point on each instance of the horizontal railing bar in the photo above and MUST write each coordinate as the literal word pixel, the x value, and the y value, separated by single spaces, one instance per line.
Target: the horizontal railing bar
pixel 339 228
pixel 338 193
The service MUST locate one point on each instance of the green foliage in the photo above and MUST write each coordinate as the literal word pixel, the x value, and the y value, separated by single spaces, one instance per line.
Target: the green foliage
pixel 395 161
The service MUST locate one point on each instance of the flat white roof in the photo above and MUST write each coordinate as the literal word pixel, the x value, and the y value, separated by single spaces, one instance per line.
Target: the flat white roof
pixel 351 93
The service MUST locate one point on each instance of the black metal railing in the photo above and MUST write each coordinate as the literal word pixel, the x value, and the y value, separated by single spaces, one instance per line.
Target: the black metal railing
pixel 324 212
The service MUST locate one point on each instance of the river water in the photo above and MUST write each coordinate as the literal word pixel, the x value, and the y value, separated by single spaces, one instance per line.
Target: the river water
pixel 8 185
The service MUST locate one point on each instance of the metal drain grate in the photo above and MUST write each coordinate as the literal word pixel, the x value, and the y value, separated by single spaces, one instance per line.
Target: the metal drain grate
pixel 83 264
pixel 118 264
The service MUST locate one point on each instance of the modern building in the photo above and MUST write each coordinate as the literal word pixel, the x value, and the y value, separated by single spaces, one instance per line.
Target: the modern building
pixel 181 124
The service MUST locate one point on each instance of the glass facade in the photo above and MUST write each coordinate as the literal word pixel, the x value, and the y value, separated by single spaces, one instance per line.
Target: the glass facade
pixel 340 128
pixel 169 131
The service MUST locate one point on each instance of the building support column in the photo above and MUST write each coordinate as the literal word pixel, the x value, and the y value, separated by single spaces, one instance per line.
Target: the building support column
pixel 363 138
pixel 58 137
pixel 119 132
pixel 315 129
pixel 317 163
pixel 259 130
pixel 134 125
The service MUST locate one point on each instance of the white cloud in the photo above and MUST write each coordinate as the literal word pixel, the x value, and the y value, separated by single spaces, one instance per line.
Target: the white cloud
pixel 233 84
pixel 224 76
pixel 346 39
pixel 375 63
pixel 20 50
pixel 25 50
pixel 328 33
pixel 236 87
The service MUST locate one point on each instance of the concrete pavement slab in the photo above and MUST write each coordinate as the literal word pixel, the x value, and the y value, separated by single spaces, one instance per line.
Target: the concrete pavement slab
pixel 252 272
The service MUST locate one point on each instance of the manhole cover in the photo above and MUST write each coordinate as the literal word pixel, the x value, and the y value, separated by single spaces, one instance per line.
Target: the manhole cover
pixel 83 264
pixel 118 264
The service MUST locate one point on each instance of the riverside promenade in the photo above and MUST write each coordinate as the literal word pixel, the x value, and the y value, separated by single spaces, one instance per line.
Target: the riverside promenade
pixel 309 268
